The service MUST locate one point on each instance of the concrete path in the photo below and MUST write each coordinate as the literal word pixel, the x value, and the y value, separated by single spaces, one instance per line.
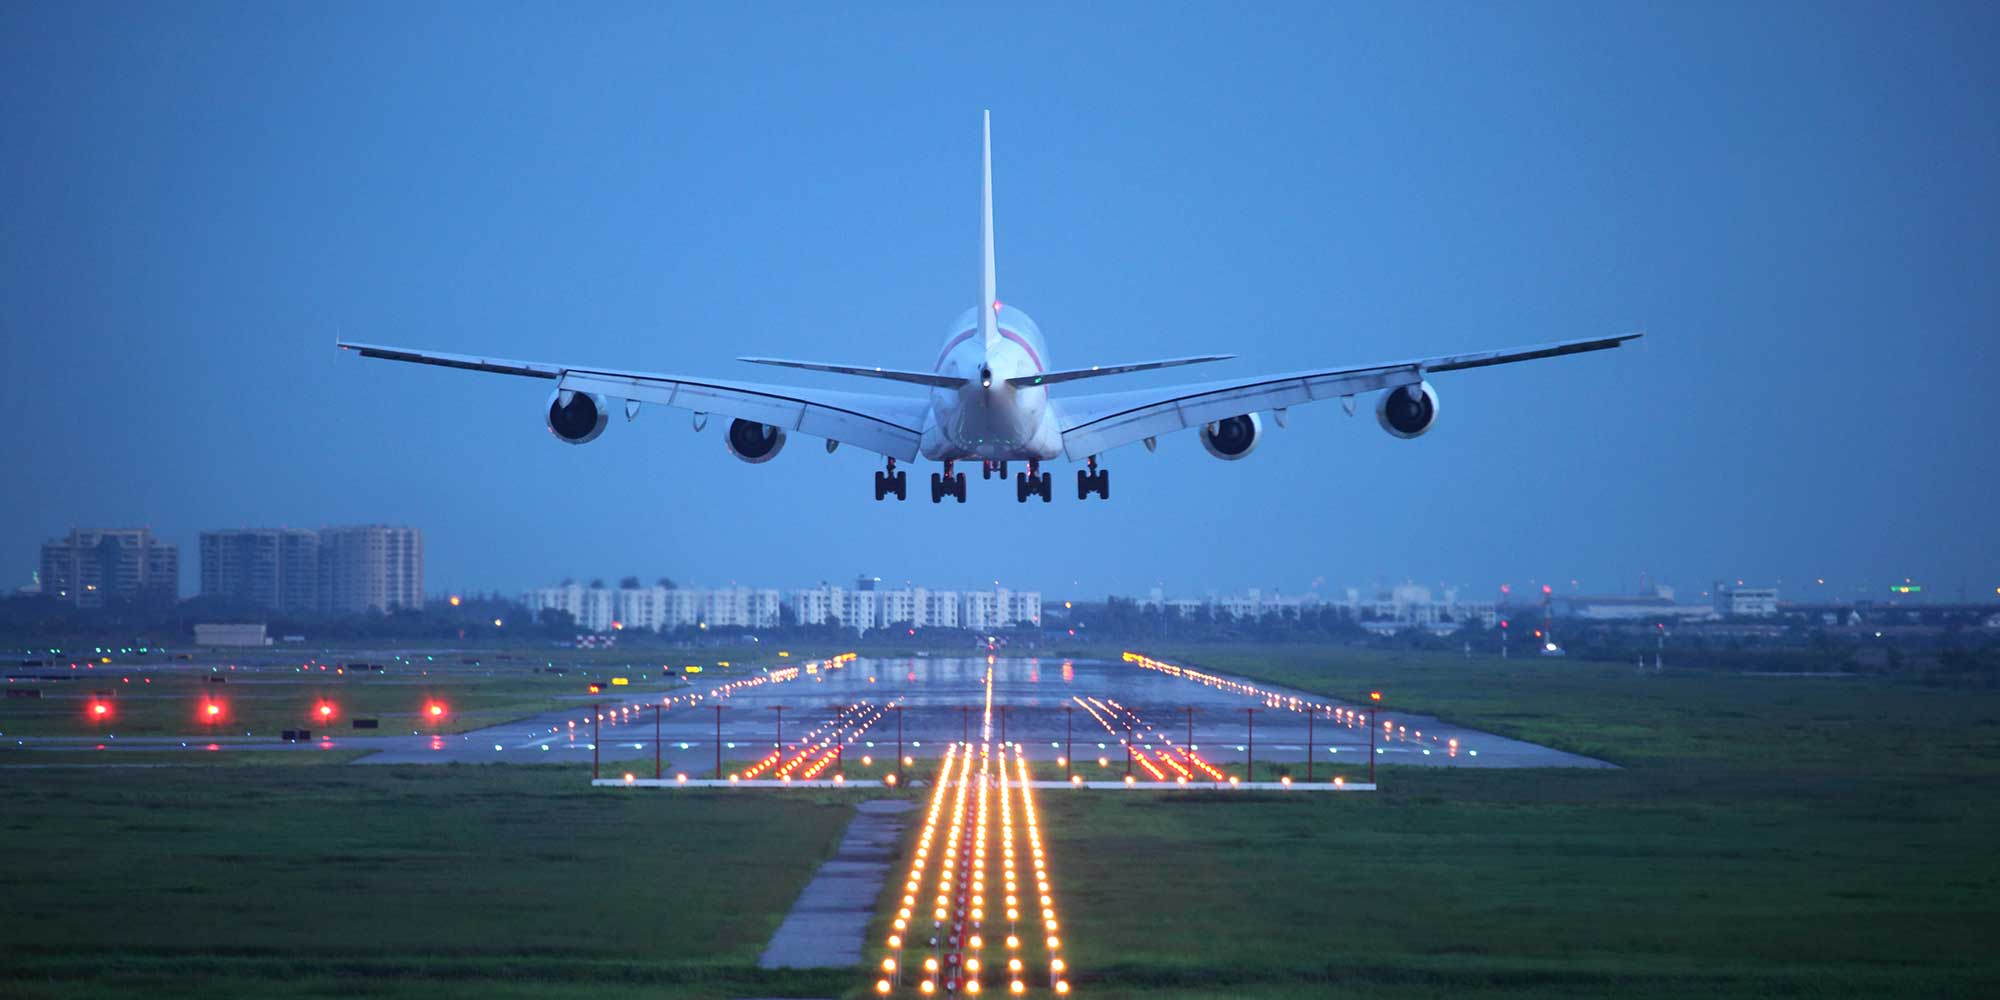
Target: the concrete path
pixel 825 927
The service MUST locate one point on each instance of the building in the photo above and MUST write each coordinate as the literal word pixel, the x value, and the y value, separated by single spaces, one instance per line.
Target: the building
pixel 940 609
pixel 230 635
pixel 592 608
pixel 96 565
pixel 596 609
pixel 370 568
pixel 1746 602
pixel 276 569
pixel 1000 608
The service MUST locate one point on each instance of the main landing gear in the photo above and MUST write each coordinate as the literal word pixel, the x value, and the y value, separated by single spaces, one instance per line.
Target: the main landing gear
pixel 1093 480
pixel 895 482
pixel 989 468
pixel 1033 482
pixel 950 484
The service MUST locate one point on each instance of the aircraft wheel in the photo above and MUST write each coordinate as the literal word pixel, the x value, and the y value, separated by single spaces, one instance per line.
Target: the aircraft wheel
pixel 902 486
pixel 960 487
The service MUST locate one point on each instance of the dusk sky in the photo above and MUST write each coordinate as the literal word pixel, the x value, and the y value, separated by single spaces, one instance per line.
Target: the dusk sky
pixel 1796 202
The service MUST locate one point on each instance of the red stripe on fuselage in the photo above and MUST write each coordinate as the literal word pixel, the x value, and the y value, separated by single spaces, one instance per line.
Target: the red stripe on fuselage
pixel 1023 341
pixel 1004 332
pixel 949 344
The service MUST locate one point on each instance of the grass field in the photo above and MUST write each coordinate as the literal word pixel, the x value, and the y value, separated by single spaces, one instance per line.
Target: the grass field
pixel 476 688
pixel 435 881
pixel 1764 836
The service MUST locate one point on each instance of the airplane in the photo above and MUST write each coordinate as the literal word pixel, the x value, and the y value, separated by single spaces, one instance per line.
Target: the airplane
pixel 990 398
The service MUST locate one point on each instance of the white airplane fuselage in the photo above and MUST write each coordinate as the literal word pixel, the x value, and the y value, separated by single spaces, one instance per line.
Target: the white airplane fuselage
pixel 987 418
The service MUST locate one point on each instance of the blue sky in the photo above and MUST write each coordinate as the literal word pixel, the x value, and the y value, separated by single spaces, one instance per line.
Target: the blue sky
pixel 1796 201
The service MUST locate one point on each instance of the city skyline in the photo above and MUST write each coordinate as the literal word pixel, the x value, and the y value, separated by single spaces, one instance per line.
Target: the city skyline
pixel 432 585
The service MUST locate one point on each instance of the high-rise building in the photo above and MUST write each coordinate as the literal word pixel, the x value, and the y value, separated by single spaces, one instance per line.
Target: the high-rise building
pixel 370 567
pixel 272 568
pixel 96 565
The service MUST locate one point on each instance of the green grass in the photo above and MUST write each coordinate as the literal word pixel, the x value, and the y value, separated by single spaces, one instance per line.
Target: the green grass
pixel 1763 837
pixel 423 881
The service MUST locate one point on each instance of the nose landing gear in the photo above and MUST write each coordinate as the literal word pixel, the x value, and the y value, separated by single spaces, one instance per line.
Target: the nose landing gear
pixel 1093 480
pixel 1033 482
pixel 950 484
pixel 891 481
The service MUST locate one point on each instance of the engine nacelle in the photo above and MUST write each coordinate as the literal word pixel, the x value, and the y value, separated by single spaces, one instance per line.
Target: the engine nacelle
pixel 754 442
pixel 1233 438
pixel 1406 415
pixel 581 421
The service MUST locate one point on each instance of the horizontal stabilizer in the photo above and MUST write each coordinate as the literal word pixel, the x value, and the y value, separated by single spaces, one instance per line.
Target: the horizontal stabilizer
pixel 1051 378
pixel 893 375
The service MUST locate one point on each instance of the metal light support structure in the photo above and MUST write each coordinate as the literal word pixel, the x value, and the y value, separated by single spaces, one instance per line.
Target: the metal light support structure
pixel 657 772
pixel 780 709
pixel 898 709
pixel 718 741
pixel 596 715
pixel 1309 744
pixel 1069 758
pixel 1250 758
pixel 1374 698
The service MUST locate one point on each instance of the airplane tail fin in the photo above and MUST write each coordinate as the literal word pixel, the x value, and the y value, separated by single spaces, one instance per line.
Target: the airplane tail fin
pixel 989 292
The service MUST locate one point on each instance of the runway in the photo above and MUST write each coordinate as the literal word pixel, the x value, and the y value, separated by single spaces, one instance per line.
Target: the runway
pixel 1047 705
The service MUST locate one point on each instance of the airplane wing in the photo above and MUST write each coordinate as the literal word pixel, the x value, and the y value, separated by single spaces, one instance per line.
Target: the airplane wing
pixel 1094 424
pixel 887 425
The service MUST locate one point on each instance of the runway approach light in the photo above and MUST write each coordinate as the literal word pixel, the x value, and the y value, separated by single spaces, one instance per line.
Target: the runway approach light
pixel 435 710
pixel 1374 696
pixel 324 711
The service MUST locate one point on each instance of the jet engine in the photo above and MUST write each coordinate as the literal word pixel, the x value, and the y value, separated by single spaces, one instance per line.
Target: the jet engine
pixel 754 442
pixel 1232 438
pixel 579 421
pixel 1407 411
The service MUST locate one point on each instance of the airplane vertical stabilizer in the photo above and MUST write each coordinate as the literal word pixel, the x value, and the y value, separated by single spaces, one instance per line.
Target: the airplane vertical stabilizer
pixel 989 300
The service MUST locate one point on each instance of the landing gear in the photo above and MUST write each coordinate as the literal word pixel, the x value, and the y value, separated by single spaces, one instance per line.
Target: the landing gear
pixel 949 484
pixel 1033 483
pixel 891 481
pixel 1093 480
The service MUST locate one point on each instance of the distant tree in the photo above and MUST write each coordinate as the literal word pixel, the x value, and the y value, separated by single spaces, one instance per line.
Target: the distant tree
pixel 665 583
pixel 597 584
pixel 629 583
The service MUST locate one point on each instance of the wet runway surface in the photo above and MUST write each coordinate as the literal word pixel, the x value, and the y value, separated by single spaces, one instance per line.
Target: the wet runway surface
pixel 1046 704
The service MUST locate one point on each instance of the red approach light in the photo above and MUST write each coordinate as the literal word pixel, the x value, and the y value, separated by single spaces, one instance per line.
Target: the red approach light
pixel 100 710
pixel 1546 589
pixel 435 710
pixel 1503 623
pixel 324 711
pixel 1374 696
pixel 211 711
